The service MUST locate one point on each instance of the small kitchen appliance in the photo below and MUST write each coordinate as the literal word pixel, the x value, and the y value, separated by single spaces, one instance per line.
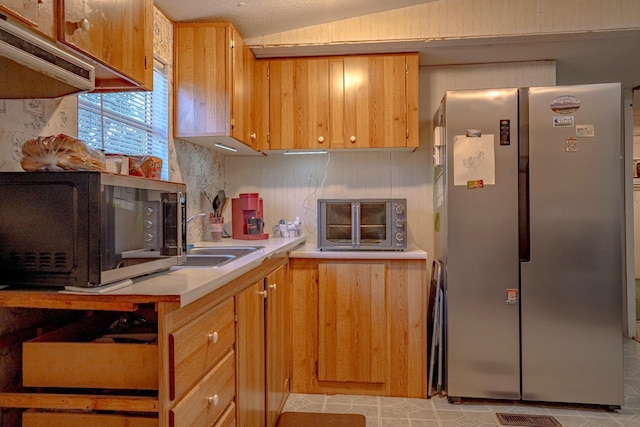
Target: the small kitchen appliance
pixel 87 228
pixel 362 224
pixel 248 220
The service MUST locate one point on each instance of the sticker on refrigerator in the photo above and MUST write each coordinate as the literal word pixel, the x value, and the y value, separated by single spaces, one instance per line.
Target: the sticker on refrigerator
pixel 512 296
pixel 565 104
pixel 505 132
pixel 585 131
pixel 571 144
pixel 474 160
pixel 562 121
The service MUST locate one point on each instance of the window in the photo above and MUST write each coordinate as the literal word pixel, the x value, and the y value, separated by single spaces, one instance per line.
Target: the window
pixel 128 122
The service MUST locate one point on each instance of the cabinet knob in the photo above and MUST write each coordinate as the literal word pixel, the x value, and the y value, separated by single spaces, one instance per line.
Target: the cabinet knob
pixel 213 337
pixel 213 400
pixel 263 293
pixel 273 286
pixel 353 138
pixel 253 136
pixel 321 139
pixel 83 24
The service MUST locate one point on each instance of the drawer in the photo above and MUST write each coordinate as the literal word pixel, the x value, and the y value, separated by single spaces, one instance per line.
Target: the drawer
pixel 228 418
pixel 204 404
pixel 196 347
pixel 33 418
pixel 66 358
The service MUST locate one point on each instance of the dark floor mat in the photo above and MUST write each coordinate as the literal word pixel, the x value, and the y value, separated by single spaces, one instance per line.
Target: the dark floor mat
pixel 312 419
pixel 527 420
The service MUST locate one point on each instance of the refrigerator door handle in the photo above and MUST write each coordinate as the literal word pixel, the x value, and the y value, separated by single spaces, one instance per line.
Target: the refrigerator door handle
pixel 355 224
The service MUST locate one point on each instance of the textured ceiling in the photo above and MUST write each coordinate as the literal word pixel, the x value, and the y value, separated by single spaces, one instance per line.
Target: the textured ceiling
pixel 253 18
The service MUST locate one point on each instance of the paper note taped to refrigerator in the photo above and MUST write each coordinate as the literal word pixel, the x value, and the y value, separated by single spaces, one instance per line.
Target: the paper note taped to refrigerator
pixel 474 159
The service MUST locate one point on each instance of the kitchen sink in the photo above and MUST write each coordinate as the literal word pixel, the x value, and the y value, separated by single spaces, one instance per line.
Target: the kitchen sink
pixel 215 256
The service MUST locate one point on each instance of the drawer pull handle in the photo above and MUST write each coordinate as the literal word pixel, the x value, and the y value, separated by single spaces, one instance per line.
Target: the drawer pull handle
pixel 213 400
pixel 273 286
pixel 213 337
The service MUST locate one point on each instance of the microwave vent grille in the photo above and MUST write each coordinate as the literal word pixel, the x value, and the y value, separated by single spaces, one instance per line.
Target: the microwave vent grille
pixel 43 261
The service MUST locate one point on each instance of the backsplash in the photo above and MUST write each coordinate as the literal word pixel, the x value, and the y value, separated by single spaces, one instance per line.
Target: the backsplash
pixel 23 119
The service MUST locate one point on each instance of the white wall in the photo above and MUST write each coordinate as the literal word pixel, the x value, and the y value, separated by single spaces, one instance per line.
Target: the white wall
pixel 282 181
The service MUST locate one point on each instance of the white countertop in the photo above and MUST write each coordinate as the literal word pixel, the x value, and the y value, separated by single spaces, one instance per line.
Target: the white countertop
pixel 312 251
pixel 192 283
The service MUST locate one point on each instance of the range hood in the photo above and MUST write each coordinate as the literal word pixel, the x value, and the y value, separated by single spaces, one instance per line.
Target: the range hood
pixel 34 67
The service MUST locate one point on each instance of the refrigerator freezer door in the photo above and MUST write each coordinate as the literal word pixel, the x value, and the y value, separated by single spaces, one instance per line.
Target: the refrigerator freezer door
pixel 571 289
pixel 481 252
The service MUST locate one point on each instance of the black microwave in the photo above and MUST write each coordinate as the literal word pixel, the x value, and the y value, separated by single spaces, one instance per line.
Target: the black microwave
pixel 87 228
pixel 362 224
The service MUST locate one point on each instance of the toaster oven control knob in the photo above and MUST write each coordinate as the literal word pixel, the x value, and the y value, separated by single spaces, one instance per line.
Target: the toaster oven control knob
pixel 399 237
pixel 148 224
pixel 148 237
pixel 400 223
pixel 149 211
pixel 399 209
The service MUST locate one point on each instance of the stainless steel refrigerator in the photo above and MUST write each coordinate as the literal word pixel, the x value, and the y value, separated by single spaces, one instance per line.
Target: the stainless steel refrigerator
pixel 528 194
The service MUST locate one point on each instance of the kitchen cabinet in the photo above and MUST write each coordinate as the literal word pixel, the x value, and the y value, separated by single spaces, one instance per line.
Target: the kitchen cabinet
pixel 263 373
pixel 213 84
pixel 352 322
pixel 299 103
pixel 192 375
pixel 360 101
pixel 39 15
pixel 359 326
pixel 118 36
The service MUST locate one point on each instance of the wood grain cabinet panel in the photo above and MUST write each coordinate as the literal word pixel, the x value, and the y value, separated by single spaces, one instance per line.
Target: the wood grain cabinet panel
pixel 204 404
pixel 197 346
pixel 213 84
pixel 277 342
pixel 263 348
pixel 250 398
pixel 359 101
pixel 359 327
pixel 299 103
pixel 352 320
pixel 39 15
pixel 375 101
pixel 119 35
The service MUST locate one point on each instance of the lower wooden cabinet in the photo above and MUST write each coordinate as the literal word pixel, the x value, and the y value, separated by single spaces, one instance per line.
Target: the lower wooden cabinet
pixel 33 418
pixel 262 347
pixel 359 327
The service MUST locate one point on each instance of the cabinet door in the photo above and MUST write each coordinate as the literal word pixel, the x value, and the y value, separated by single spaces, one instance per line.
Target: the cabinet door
pixel 352 322
pixel 260 113
pixel 37 14
pixel 202 80
pixel 375 101
pixel 277 361
pixel 117 34
pixel 250 371
pixel 242 71
pixel 299 103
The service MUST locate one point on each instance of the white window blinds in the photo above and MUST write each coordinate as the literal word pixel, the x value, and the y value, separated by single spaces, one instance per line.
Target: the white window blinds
pixel 128 122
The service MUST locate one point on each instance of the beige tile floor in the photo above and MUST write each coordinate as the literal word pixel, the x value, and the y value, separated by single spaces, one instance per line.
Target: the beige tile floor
pixel 438 412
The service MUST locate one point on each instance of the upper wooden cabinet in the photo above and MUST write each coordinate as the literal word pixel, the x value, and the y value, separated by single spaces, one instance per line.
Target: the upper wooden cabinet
pixel 360 101
pixel 39 15
pixel 118 35
pixel 299 103
pixel 213 83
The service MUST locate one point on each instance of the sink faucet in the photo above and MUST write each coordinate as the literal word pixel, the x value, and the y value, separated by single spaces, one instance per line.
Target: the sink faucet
pixel 198 215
